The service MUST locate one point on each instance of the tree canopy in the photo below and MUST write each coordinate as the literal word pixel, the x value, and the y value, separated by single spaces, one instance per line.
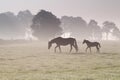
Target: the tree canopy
pixel 45 25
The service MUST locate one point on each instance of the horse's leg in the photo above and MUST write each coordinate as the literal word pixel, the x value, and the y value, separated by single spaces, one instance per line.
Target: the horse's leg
pixel 86 49
pixel 60 49
pixel 75 48
pixel 70 48
pixel 90 49
pixel 55 48
pixel 98 50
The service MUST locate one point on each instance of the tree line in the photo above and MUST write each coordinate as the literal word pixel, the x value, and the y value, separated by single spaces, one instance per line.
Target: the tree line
pixel 14 26
pixel 46 25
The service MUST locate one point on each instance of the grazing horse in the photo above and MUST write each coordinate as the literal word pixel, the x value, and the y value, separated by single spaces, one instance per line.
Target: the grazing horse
pixel 63 42
pixel 92 44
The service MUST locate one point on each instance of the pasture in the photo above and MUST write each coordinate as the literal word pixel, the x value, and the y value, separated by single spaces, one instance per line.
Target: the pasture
pixel 33 61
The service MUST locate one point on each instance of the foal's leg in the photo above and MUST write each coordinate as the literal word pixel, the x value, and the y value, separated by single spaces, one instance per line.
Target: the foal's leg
pixel 70 48
pixel 55 48
pixel 60 48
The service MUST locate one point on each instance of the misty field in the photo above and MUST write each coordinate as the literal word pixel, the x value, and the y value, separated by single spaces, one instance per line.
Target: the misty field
pixel 33 61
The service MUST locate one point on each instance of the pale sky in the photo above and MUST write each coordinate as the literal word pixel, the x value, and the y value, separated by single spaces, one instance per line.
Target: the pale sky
pixel 100 10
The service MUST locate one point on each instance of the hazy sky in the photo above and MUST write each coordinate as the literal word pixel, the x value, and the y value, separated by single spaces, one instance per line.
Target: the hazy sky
pixel 100 10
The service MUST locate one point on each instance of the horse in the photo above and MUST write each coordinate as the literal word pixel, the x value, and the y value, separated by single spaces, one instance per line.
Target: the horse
pixel 63 42
pixel 92 44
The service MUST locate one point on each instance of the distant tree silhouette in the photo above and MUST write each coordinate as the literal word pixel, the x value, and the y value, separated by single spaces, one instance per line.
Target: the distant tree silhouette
pixel 13 26
pixel 94 30
pixel 45 25
pixel 25 17
pixel 116 32
pixel 107 27
pixel 8 24
pixel 25 20
pixel 76 25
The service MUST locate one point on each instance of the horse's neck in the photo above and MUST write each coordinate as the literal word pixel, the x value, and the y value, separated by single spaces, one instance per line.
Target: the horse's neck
pixel 52 41
pixel 88 42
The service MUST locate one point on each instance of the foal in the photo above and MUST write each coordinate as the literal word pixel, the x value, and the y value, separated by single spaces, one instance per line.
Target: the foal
pixel 92 44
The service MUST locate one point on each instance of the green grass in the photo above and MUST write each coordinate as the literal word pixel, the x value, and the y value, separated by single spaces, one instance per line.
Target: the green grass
pixel 32 61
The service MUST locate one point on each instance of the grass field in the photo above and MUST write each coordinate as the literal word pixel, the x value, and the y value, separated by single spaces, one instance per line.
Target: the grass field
pixel 33 61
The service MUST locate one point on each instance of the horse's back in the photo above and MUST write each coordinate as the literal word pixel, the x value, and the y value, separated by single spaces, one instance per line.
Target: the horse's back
pixel 60 38
pixel 64 41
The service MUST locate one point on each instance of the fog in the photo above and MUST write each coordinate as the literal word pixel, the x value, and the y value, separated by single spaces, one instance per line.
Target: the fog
pixel 101 10
pixel 46 25
pixel 94 19
pixel 14 26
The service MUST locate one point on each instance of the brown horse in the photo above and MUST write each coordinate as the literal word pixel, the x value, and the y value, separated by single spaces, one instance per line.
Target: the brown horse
pixel 92 44
pixel 63 42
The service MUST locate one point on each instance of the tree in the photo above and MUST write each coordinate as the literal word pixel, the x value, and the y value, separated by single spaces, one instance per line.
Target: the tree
pixel 45 25
pixel 25 20
pixel 25 17
pixel 116 32
pixel 94 30
pixel 107 27
pixel 8 23
pixel 14 26
pixel 76 25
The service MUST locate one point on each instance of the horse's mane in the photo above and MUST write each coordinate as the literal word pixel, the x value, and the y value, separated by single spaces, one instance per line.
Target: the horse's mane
pixel 52 40
pixel 58 38
pixel 87 40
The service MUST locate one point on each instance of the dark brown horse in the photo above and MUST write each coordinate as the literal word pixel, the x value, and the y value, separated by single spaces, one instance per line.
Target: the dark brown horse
pixel 63 42
pixel 92 44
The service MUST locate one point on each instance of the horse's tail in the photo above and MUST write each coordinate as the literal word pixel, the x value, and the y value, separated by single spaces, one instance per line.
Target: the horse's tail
pixel 99 45
pixel 75 44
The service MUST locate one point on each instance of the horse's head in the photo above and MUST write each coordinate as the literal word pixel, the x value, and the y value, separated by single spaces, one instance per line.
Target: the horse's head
pixel 84 41
pixel 49 44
